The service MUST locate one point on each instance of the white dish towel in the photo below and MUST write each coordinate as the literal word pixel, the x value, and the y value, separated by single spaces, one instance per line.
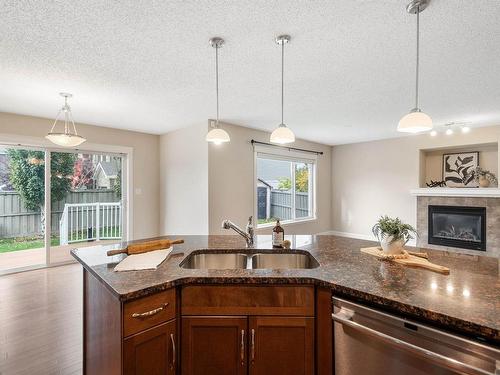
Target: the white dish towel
pixel 146 261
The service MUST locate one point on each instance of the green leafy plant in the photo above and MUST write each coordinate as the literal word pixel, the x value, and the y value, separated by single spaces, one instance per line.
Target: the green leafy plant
pixel 399 231
pixel 479 172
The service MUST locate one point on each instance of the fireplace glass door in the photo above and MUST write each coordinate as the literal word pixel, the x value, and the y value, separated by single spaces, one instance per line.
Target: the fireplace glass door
pixel 457 226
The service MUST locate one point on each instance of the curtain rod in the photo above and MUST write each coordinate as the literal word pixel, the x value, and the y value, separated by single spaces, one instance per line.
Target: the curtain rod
pixel 286 147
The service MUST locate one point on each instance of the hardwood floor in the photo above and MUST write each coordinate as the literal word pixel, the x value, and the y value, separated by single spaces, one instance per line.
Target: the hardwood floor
pixel 41 322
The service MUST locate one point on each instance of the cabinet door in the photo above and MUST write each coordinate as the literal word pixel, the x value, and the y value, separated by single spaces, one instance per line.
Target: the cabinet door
pixel 151 352
pixel 214 345
pixel 281 345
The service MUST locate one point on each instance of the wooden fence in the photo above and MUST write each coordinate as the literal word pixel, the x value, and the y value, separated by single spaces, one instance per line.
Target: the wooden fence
pixel 17 221
pixel 281 204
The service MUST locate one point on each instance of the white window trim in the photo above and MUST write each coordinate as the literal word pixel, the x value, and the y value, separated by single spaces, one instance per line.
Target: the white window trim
pixel 270 152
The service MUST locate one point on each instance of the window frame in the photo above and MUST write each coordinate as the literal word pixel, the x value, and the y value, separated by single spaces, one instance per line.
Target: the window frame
pixel 270 152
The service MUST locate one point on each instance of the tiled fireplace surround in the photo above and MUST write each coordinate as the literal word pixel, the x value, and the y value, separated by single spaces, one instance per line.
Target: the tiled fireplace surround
pixel 492 221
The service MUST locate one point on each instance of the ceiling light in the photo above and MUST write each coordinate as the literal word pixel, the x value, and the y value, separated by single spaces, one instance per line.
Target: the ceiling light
pixel 70 137
pixel 465 129
pixel 217 135
pixel 282 134
pixel 449 131
pixel 433 133
pixel 416 121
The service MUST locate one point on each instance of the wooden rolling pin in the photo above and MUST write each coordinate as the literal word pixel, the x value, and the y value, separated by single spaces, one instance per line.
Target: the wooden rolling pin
pixel 144 247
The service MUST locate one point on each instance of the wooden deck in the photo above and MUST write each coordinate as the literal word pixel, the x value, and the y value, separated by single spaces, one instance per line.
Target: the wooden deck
pixel 35 257
pixel 41 322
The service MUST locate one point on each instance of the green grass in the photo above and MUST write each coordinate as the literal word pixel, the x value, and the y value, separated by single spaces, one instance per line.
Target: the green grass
pixel 24 243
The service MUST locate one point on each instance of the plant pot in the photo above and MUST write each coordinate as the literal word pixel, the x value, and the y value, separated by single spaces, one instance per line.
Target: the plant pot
pixel 391 248
pixel 484 182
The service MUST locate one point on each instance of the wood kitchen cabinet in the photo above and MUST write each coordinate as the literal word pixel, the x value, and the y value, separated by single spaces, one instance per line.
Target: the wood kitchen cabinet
pixel 249 329
pixel 281 345
pixel 206 329
pixel 214 345
pixel 151 352
pixel 256 345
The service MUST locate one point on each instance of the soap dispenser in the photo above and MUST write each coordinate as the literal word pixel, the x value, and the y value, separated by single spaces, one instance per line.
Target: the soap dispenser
pixel 278 235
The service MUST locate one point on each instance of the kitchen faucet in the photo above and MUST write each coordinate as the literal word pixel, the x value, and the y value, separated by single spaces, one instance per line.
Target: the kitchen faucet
pixel 248 234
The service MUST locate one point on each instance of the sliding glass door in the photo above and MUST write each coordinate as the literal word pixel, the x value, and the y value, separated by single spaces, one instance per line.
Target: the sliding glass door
pixel 84 205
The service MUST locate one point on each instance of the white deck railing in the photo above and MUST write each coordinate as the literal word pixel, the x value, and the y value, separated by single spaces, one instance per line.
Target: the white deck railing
pixel 90 221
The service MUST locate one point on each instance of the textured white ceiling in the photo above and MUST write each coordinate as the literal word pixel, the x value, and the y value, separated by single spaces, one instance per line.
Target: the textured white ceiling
pixel 147 66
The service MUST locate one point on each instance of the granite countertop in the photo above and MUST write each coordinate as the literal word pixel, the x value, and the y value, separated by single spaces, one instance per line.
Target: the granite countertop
pixel 465 301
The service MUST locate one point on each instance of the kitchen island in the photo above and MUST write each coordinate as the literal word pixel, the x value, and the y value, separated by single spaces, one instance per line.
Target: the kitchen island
pixel 183 301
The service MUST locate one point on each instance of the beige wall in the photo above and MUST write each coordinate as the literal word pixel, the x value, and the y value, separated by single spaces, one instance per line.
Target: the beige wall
pixel 370 179
pixel 184 181
pixel 145 162
pixel 232 186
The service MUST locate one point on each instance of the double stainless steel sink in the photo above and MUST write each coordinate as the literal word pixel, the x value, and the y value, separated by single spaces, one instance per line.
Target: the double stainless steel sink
pixel 216 259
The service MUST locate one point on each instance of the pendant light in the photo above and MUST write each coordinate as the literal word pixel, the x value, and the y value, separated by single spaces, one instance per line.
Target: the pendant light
pixel 282 134
pixel 416 121
pixel 70 137
pixel 217 135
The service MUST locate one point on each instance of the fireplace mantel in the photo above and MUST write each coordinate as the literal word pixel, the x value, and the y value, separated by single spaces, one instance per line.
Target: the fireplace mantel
pixel 457 192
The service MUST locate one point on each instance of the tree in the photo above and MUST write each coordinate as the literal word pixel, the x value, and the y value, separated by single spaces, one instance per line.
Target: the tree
pixel 27 173
pixel 301 181
pixel 117 187
pixel 284 183
pixel 82 173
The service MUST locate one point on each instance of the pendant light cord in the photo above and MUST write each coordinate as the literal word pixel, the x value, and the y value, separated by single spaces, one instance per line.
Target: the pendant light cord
pixel 282 78
pixel 418 57
pixel 217 83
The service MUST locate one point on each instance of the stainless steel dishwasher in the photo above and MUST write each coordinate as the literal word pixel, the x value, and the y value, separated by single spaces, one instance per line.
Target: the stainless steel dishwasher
pixel 369 342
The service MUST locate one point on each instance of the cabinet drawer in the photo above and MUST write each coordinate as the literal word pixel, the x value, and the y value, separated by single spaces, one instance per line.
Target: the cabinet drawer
pixel 149 311
pixel 248 300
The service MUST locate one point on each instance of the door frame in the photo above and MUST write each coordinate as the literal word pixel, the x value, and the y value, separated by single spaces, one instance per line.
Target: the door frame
pixel 42 144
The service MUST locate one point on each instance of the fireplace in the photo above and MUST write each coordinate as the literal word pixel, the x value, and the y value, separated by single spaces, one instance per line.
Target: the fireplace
pixel 457 226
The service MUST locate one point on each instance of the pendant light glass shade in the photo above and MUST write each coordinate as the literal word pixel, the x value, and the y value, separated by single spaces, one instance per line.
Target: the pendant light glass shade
pixel 217 135
pixel 416 121
pixel 65 140
pixel 70 137
pixel 282 134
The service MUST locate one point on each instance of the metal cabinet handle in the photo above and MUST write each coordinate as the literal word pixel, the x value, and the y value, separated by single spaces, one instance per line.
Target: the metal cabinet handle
pixel 253 345
pixel 174 352
pixel 149 313
pixel 242 352
pixel 345 317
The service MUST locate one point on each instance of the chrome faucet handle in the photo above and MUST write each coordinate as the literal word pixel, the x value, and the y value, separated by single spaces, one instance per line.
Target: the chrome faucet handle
pixel 250 232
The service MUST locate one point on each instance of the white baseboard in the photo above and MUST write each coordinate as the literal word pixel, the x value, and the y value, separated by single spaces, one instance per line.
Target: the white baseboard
pixel 359 236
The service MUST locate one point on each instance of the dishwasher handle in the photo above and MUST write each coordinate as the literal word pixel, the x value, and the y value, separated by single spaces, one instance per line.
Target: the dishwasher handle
pixel 345 317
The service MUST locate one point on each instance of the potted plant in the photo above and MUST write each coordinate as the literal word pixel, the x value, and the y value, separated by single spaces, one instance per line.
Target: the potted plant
pixel 393 234
pixel 483 177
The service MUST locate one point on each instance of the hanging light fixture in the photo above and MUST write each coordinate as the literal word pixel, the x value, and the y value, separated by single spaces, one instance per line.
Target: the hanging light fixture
pixel 217 135
pixel 282 134
pixel 416 121
pixel 70 137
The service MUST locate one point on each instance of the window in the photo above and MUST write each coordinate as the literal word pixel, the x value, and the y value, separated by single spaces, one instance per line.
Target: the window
pixel 285 187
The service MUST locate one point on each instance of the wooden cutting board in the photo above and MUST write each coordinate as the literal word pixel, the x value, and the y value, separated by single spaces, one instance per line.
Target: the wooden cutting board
pixel 410 261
